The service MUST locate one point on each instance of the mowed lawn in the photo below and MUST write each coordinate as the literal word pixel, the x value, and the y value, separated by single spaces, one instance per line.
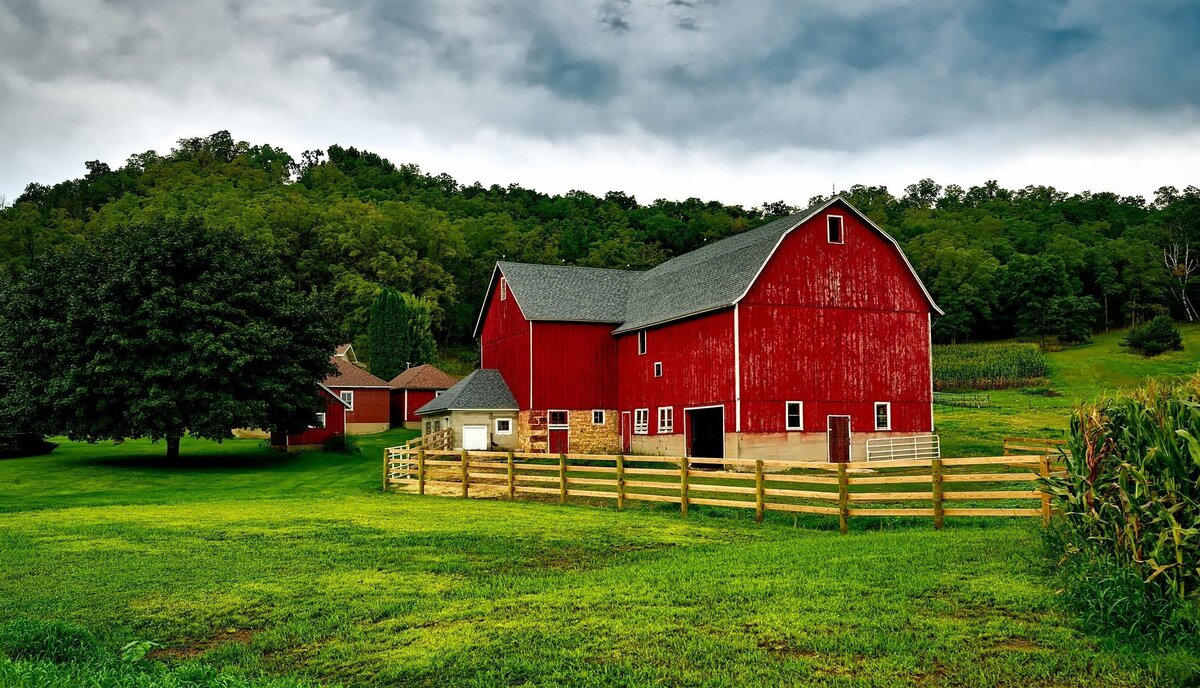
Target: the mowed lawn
pixel 253 568
pixel 1078 373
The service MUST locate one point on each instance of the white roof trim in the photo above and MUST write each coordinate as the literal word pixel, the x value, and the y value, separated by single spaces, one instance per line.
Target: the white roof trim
pixel 333 394
pixel 870 223
pixel 487 301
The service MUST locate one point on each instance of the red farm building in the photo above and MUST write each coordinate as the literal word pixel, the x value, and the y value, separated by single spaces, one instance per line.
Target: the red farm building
pixel 368 398
pixel 414 388
pixel 802 338
pixel 331 423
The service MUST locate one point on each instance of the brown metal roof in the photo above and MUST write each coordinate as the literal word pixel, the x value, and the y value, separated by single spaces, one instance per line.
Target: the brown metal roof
pixel 350 375
pixel 424 376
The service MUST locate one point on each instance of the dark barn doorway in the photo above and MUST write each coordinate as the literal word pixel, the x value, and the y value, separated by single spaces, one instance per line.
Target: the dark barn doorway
pixel 706 432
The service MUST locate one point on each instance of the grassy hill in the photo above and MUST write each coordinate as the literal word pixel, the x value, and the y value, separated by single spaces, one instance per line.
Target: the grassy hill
pixel 256 569
pixel 1077 374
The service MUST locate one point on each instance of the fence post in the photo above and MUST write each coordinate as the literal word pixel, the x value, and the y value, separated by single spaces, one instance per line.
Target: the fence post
pixel 387 459
pixel 683 486
pixel 512 489
pixel 843 499
pixel 620 482
pixel 562 478
pixel 1045 471
pixel 466 479
pixel 757 491
pixel 938 509
pixel 421 471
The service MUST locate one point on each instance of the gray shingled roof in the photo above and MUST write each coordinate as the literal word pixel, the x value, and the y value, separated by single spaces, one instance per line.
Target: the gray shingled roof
pixel 709 277
pixel 482 389
pixel 569 292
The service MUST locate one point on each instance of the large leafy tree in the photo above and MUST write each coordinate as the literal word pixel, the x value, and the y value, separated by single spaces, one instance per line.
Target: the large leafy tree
pixel 160 329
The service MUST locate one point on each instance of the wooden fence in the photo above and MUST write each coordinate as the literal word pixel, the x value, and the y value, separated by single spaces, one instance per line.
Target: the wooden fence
pixel 1035 445
pixel 923 488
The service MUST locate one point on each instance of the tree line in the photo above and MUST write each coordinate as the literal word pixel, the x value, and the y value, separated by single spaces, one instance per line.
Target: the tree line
pixel 348 223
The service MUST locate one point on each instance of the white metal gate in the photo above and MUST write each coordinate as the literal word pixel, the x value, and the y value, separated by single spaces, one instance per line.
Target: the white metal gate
pixel 904 447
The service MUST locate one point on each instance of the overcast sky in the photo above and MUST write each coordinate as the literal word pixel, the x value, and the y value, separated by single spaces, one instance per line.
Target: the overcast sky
pixel 741 101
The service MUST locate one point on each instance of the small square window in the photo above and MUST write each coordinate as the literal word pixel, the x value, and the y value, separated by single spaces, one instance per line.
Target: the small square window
pixel 641 342
pixel 504 426
pixel 883 415
pixel 666 419
pixel 598 417
pixel 795 415
pixel 641 421
pixel 320 424
pixel 658 369
pixel 834 223
pixel 558 418
pixel 348 397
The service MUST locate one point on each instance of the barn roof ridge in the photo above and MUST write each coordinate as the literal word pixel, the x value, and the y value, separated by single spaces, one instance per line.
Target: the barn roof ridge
pixel 714 276
pixel 483 389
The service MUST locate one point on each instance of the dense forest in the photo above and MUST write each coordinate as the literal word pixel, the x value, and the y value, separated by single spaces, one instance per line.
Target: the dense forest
pixel 1032 262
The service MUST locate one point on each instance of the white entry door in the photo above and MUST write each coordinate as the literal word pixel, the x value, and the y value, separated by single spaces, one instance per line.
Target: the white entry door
pixel 475 437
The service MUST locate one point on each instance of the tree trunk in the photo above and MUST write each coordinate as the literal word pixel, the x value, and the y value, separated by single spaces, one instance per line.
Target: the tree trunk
pixel 173 447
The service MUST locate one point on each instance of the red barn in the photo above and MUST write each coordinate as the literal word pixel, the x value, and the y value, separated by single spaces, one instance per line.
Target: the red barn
pixel 798 339
pixel 368 398
pixel 331 423
pixel 414 388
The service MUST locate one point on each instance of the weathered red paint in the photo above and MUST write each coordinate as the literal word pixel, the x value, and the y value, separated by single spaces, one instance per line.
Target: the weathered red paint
pixel 697 368
pixel 371 404
pixel 837 326
pixel 504 344
pixel 335 425
pixel 405 403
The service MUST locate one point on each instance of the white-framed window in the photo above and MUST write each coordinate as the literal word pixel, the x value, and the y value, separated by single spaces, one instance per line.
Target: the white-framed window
pixel 641 421
pixel 833 224
pixel 348 397
pixel 883 415
pixel 320 424
pixel 504 426
pixel 437 393
pixel 598 417
pixel 641 342
pixel 558 419
pixel 503 289
pixel 794 415
pixel 658 369
pixel 666 419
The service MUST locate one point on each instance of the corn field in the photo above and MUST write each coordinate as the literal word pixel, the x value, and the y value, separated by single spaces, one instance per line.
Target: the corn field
pixel 1131 497
pixel 988 366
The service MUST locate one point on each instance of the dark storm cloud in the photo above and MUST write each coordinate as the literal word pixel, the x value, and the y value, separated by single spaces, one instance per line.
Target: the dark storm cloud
pixel 735 76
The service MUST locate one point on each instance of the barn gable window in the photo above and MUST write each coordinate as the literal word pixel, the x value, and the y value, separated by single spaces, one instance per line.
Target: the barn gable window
pixel 666 419
pixel 883 415
pixel 558 419
pixel 641 342
pixel 503 289
pixel 320 424
pixel 795 415
pixel 658 369
pixel 348 397
pixel 504 426
pixel 834 225
pixel 598 417
pixel 641 421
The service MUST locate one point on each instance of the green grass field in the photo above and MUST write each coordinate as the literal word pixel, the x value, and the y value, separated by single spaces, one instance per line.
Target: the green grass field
pixel 257 569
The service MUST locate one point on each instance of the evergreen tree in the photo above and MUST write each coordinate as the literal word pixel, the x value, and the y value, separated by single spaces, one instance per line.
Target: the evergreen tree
pixel 388 345
pixel 419 343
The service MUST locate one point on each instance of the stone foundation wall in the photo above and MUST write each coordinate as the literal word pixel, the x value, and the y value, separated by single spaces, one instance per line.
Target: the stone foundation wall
pixel 586 437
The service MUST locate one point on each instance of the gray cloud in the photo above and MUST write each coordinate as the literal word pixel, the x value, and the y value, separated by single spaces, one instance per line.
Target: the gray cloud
pixel 737 78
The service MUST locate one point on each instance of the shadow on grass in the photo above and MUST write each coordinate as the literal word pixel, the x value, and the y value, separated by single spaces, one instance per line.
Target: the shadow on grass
pixel 260 459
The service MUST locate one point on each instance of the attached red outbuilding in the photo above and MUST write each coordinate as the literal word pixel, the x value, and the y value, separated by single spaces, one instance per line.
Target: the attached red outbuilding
pixel 331 423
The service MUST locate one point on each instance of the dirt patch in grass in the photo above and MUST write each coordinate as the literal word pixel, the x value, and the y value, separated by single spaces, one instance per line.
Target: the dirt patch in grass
pixel 194 650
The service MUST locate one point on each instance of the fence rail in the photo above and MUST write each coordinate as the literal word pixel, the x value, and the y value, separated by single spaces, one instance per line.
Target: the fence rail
pixel 963 400
pixel 927 488
pixel 1035 445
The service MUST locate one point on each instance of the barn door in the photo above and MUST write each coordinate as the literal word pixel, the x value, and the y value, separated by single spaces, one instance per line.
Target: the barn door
pixel 559 440
pixel 839 438
pixel 475 437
